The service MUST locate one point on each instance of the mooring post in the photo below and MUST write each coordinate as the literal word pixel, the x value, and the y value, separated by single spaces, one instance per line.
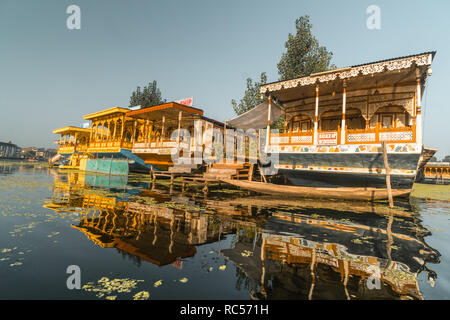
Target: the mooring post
pixel 388 176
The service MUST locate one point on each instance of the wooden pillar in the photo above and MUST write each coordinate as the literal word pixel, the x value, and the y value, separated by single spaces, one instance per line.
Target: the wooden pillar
pixel 90 132
pixel 76 139
pixel 313 277
pixel 162 129
pixel 134 131
pixel 418 109
pixel 344 101
pixel 123 128
pixel 388 176
pixel 180 115
pixel 147 131
pixel 115 130
pixel 95 132
pixel 316 117
pixel 269 113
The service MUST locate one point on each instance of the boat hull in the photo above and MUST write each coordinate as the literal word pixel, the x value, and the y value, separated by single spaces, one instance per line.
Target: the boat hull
pixel 348 169
pixel 343 193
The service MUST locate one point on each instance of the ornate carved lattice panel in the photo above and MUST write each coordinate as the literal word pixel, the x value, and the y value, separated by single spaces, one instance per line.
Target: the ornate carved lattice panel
pixel 361 137
pixel 301 139
pixel 396 136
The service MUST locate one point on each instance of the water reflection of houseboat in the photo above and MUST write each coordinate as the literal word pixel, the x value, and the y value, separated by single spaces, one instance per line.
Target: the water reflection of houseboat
pixel 335 122
pixel 146 232
pixel 280 252
pixel 314 257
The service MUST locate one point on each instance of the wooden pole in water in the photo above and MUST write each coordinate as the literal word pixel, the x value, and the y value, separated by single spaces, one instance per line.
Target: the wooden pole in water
pixel 388 176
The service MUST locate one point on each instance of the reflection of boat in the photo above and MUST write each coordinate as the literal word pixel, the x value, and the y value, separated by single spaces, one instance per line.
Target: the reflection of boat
pixel 347 193
pixel 281 252
pixel 147 232
pixel 325 256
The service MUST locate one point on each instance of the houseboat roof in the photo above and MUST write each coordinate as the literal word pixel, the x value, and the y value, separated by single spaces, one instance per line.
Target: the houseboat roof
pixel 106 112
pixel 70 129
pixel 169 110
pixel 392 72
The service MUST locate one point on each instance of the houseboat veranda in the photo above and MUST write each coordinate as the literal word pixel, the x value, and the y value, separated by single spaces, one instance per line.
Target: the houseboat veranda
pixel 72 144
pixel 158 133
pixel 336 121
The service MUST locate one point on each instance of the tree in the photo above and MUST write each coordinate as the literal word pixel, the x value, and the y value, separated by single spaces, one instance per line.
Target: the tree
pixel 148 97
pixel 303 54
pixel 252 96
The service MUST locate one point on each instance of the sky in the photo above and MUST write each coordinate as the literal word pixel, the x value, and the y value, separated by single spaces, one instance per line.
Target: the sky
pixel 50 76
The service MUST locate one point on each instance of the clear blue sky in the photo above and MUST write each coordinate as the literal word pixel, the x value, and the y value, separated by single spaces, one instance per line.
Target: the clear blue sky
pixel 51 76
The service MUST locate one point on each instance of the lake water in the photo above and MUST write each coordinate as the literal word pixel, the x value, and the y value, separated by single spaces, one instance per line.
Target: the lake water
pixel 132 240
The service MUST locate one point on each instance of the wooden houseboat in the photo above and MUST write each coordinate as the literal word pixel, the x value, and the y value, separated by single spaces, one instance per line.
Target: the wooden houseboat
pixel 73 142
pixel 111 137
pixel 335 122
pixel 153 138
pixel 437 172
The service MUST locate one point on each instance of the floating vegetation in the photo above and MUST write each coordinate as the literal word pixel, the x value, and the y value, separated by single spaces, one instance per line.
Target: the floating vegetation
pixel 16 264
pixel 107 286
pixel 157 283
pixel 246 253
pixel 143 295
pixel 52 234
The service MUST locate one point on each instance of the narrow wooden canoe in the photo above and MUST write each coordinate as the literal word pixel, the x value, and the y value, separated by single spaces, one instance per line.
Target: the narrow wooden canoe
pixel 365 194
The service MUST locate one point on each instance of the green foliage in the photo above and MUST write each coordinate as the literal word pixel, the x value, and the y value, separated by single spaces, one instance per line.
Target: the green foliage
pixel 252 96
pixel 148 97
pixel 303 54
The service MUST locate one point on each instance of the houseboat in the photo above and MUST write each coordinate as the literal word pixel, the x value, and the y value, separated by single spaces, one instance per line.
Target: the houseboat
pixel 72 144
pixel 111 142
pixel 156 140
pixel 437 172
pixel 335 123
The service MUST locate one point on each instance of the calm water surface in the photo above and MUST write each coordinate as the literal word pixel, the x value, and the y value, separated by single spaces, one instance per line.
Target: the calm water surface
pixel 130 238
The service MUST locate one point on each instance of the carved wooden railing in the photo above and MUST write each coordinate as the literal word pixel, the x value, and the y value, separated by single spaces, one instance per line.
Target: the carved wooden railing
pixel 377 135
pixel 110 144
pixel 352 136
pixel 292 138
pixel 154 144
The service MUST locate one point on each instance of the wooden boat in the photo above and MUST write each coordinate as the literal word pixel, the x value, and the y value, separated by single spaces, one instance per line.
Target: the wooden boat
pixel 156 139
pixel 336 121
pixel 345 193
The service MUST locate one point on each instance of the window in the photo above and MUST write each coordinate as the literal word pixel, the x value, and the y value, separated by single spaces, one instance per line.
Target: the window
pixel 387 121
